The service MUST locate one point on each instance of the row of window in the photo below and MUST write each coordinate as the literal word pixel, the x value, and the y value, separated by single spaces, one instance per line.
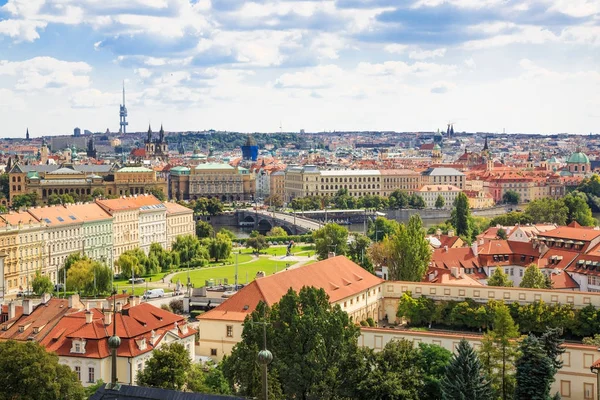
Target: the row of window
pixel 91 374
pixel 351 179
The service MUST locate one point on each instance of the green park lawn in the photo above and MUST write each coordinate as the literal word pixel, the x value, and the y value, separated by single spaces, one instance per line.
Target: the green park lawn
pixel 281 250
pixel 246 272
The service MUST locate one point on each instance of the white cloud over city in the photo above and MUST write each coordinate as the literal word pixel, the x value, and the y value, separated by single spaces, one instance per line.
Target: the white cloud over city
pixel 488 65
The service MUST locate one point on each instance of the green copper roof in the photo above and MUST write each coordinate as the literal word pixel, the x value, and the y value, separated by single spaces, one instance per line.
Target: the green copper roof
pixel 578 158
pixel 180 168
pixel 214 166
pixel 134 169
pixel 437 147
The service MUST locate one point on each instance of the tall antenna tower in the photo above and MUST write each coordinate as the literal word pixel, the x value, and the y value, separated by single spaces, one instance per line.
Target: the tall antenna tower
pixel 123 114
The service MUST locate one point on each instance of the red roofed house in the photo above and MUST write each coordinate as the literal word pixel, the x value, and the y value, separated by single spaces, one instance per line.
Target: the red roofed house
pixel 79 334
pixel 355 290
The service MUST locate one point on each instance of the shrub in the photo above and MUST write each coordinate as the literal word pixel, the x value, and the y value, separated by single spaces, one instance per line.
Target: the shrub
pixel 195 313
pixel 370 322
pixel 166 307
pixel 364 323
pixel 176 306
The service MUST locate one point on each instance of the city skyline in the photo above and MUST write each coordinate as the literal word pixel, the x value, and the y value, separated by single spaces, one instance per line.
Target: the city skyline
pixel 347 65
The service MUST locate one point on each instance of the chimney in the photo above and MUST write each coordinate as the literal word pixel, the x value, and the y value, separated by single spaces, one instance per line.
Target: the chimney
pixel 27 307
pixel 475 248
pixel 107 318
pixel 12 310
pixel 451 233
pixel 88 317
pixel 446 249
pixel 119 307
pixel 46 298
pixel 455 272
pixel 73 300
pixel 330 254
pixel 134 301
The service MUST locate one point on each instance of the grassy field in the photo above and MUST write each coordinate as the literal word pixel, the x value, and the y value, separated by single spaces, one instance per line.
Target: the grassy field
pixel 281 250
pixel 199 276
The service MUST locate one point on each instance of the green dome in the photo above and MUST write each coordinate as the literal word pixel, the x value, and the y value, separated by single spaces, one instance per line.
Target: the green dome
pixel 578 158
pixel 437 147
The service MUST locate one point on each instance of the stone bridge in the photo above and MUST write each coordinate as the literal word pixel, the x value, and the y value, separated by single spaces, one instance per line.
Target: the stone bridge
pixel 263 221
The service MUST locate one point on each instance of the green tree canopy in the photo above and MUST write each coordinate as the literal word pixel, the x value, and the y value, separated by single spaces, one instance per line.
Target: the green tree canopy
pixel 156 192
pixel 578 209
pixel 440 202
pixel 257 242
pixel 24 200
pixel 358 251
pixel 28 371
pixel 534 278
pixel 41 284
pixel 511 218
pixel 535 372
pixel 219 248
pixel 433 360
pixel 214 206
pixel 499 278
pixel 409 253
pixel 313 343
pixel 382 228
pixel 464 378
pixel 548 210
pixel 277 231
pixel 461 214
pixel 331 238
pixel 167 368
pixel 511 197
pixel 204 229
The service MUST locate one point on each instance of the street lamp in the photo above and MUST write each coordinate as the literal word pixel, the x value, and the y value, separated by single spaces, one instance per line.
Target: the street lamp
pixel 263 359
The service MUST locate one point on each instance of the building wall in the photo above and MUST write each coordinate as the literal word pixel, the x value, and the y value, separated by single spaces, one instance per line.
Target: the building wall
pixel 61 241
pixel 126 225
pixel 179 224
pixel 98 240
pixel 573 381
pixel 153 227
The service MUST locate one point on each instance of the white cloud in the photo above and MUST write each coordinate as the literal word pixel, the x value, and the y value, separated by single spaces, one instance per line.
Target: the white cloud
pixel 470 63
pixel 396 48
pixel 314 78
pixel 425 54
pixel 21 30
pixel 46 73
pixel 94 98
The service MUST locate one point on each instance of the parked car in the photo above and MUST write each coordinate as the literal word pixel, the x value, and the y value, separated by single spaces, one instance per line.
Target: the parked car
pixel 137 280
pixel 24 293
pixel 154 293
pixel 59 287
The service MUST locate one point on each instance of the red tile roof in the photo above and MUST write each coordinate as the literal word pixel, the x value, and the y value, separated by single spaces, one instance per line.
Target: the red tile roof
pixel 338 276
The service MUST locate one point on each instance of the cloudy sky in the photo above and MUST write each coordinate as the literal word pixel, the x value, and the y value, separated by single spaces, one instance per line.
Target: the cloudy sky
pixel 405 65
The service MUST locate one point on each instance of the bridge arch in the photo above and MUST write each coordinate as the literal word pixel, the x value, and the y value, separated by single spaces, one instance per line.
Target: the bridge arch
pixel 287 229
pixel 264 225
pixel 249 218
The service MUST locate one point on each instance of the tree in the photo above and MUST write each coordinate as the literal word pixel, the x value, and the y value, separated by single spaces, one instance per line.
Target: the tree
pixel 28 371
pixel 548 210
pixel 395 373
pixel 398 199
pixel 277 231
pixel 128 265
pixel 511 197
pixel 410 253
pixel 167 368
pixel 219 248
pixel 4 185
pixel 499 278
pixel 382 228
pixel 315 344
pixel 417 311
pixel 89 276
pixel 511 218
pixel 214 206
pixel 41 284
pixel 534 278
pixel 498 351
pixel 24 200
pixel 535 372
pixel 207 379
pixel 578 209
pixel 587 322
pixel 258 243
pixel 440 202
pixel 274 200
pixel 461 215
pixel 358 252
pixel 189 248
pixel 156 192
pixel 433 360
pixel 96 193
pixel 229 233
pixel 331 238
pixel 417 202
pixel 204 229
pixel 176 306
pixel 464 378
pixel 501 234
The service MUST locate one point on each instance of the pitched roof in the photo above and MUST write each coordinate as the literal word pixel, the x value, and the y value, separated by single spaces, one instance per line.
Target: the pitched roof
pixel 128 203
pixel 338 276
pixel 89 212
pixel 55 215
pixel 174 208
pixel 454 257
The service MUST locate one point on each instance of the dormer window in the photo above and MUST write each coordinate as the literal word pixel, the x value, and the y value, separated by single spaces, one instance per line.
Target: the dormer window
pixel 142 344
pixel 78 346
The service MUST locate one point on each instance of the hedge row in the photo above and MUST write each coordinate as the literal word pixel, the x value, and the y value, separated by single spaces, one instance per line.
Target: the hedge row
pixel 284 239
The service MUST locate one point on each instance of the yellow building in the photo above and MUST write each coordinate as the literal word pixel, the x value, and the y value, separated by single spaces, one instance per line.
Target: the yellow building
pixel 430 194
pixel 22 243
pixel 277 184
pixel 126 224
pixel 360 182
pixel 211 179
pixel 301 181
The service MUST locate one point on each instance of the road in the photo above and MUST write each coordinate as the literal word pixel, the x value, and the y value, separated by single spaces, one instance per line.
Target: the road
pixel 302 222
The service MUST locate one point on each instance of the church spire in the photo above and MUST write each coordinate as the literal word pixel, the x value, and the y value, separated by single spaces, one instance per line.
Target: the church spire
pixel 27 134
pixel 149 133
pixel 485 146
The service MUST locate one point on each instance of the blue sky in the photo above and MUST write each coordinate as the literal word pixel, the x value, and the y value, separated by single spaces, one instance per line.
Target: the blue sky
pixel 405 65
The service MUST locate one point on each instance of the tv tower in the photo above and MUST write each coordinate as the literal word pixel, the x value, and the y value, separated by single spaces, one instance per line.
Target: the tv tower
pixel 123 114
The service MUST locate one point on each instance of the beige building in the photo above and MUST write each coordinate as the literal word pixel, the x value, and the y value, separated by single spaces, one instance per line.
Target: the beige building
pixel 64 235
pixel 443 176
pixel 348 285
pixel 218 180
pixel 180 222
pixel 399 179
pixel 359 182
pixel 479 199
pixel 277 184
pixel 430 194
pixel 301 181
